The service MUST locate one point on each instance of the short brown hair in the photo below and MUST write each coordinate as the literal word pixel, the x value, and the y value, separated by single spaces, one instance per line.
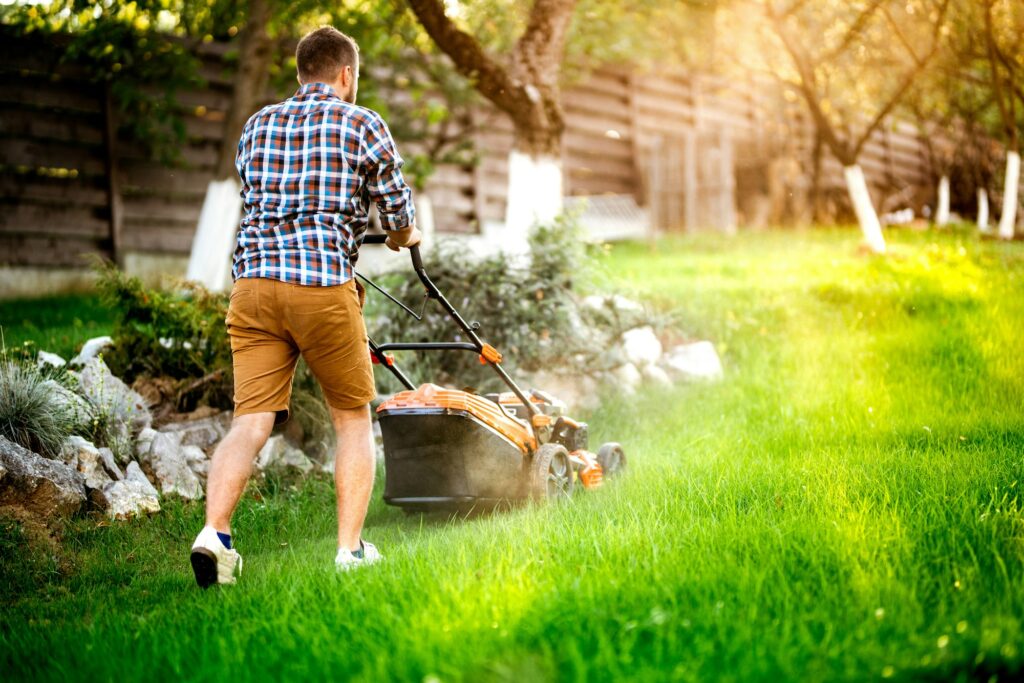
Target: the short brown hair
pixel 322 54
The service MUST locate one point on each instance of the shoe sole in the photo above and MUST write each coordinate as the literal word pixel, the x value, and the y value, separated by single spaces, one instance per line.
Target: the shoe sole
pixel 204 566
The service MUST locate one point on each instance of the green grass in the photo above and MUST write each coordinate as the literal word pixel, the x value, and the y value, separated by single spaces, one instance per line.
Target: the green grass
pixel 845 505
pixel 58 324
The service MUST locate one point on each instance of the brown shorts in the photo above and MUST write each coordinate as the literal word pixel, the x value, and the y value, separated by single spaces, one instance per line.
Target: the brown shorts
pixel 270 323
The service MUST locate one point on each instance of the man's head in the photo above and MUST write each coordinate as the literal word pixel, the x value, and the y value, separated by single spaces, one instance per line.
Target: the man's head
pixel 327 55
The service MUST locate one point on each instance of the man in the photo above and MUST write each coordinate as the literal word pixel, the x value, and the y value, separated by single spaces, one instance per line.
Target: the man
pixel 309 168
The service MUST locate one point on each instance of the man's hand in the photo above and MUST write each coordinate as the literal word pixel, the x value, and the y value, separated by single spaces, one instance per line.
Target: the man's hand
pixel 408 237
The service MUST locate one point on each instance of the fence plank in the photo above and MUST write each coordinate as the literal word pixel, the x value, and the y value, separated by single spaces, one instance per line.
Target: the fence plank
pixel 48 250
pixel 65 97
pixel 32 154
pixel 42 190
pixel 25 219
pixel 51 125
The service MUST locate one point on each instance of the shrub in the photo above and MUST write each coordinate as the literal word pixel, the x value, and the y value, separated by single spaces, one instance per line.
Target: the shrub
pixel 529 308
pixel 180 335
pixel 29 415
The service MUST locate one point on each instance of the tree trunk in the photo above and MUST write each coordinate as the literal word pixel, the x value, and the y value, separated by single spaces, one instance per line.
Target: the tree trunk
pixel 865 210
pixel 210 261
pixel 527 90
pixel 817 211
pixel 942 207
pixel 1008 219
pixel 534 196
pixel 249 84
pixel 983 209
pixel 214 241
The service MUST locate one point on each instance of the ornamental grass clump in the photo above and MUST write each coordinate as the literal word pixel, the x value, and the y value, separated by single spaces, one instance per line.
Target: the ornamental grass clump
pixel 29 415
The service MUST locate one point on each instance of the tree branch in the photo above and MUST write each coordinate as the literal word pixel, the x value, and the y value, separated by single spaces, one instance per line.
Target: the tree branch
pixel 855 30
pixel 908 80
pixel 899 34
pixel 539 50
pixel 807 86
pixel 1009 124
pixel 470 59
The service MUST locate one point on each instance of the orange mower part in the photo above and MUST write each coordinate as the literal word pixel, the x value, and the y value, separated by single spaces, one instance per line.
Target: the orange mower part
pixel 589 472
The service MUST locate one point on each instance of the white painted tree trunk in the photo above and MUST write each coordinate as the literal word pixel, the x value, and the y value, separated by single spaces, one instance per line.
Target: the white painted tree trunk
pixel 534 197
pixel 1008 219
pixel 210 261
pixel 942 212
pixel 983 209
pixel 865 210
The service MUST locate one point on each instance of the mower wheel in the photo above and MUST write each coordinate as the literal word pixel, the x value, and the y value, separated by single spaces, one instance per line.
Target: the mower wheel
pixel 612 459
pixel 550 474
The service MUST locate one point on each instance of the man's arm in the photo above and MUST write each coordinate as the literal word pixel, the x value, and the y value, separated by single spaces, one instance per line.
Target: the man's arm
pixel 406 237
pixel 387 187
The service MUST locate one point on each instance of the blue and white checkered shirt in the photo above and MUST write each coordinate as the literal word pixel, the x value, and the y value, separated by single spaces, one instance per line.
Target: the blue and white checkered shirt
pixel 309 168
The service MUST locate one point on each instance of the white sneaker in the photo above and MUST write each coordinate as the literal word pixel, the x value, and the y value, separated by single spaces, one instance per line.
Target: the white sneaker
pixel 345 560
pixel 212 562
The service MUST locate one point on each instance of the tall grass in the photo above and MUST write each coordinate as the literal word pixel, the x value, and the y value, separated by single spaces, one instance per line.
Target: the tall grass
pixel 844 505
pixel 29 415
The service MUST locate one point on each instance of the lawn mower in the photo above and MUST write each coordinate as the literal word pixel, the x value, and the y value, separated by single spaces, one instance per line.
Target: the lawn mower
pixel 447 449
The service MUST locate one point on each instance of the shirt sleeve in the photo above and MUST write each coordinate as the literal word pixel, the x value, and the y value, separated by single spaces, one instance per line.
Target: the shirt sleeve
pixel 384 181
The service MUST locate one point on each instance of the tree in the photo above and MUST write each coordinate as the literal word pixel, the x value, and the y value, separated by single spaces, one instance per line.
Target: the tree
pixel 953 107
pixel 1002 28
pixel 527 90
pixel 862 62
pixel 518 55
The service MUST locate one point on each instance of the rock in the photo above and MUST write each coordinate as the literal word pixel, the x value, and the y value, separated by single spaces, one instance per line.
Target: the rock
pixel 204 433
pixel 45 488
pixel 698 360
pixel 582 332
pixel 131 496
pixel 166 464
pixel 82 412
pixel 627 378
pixel 616 302
pixel 197 461
pixel 578 392
pixel 96 465
pixel 655 375
pixel 45 358
pixel 110 464
pixel 278 454
pixel 113 398
pixel 91 349
pixel 144 442
pixel 641 346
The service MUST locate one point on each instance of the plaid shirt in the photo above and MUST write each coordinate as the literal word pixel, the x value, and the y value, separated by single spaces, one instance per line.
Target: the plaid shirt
pixel 309 167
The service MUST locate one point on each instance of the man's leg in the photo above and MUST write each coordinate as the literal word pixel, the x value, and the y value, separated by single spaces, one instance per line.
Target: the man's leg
pixel 353 471
pixel 231 467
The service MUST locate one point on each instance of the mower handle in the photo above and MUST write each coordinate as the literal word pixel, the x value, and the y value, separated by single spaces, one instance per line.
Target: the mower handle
pixel 414 250
pixel 434 293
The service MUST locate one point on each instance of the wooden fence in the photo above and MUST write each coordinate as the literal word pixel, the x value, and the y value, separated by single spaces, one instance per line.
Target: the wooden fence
pixel 70 185
pixel 682 145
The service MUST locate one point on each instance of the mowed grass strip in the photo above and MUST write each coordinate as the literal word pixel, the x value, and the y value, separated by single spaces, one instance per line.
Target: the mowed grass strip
pixel 845 505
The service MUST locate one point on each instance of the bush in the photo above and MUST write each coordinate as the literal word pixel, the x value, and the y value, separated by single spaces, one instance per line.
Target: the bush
pixel 528 308
pixel 178 335
pixel 181 336
pixel 29 415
